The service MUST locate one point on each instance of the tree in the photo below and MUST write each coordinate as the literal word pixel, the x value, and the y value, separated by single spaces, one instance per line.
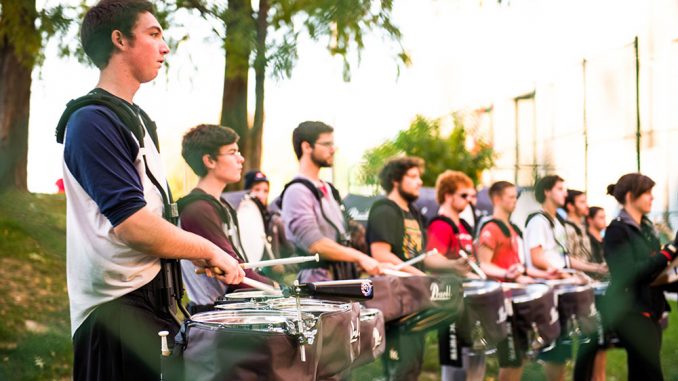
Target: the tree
pixel 23 31
pixel 266 39
pixel 424 139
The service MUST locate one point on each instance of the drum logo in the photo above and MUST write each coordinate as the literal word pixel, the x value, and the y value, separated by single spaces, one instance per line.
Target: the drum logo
pixel 501 315
pixel 366 288
pixel 355 332
pixel 376 336
pixel 554 316
pixel 437 294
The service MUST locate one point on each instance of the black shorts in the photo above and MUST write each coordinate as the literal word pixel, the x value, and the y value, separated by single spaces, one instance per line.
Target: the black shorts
pixel 119 339
pixel 511 351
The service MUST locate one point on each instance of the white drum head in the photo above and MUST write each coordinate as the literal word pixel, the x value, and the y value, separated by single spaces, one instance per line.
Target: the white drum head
pixel 252 230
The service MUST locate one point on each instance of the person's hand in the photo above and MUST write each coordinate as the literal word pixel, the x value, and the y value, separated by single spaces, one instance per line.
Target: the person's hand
pixel 602 268
pixel 369 265
pixel 222 267
pixel 524 279
pixel 460 266
pixel 554 273
pixel 514 271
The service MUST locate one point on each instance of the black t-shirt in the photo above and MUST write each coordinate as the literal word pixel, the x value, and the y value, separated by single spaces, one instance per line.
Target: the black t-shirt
pixel 596 249
pixel 399 228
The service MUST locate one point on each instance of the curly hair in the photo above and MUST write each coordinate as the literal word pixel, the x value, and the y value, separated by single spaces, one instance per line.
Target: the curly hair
pixel 449 182
pixel 205 139
pixel 105 17
pixel 395 169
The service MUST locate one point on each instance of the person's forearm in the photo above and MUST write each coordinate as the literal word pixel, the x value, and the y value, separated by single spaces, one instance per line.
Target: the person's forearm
pixel 490 269
pixel 580 265
pixel 332 251
pixel 151 234
pixel 538 260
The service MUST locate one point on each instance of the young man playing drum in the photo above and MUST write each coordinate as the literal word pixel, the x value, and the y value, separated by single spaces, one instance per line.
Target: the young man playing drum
pixel 116 233
pixel 500 252
pixel 212 153
pixel 546 246
pixel 312 213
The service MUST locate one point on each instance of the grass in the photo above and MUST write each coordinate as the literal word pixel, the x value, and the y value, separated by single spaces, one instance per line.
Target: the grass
pixel 35 341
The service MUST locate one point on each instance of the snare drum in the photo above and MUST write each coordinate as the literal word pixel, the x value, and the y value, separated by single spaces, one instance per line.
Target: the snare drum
pixel 338 331
pixel 577 309
pixel 483 323
pixel 372 336
pixel 255 296
pixel 535 315
pixel 246 345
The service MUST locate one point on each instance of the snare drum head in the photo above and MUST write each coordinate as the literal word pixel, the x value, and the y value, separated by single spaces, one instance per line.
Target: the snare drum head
pixel 480 287
pixel 315 306
pixel 252 229
pixel 254 320
pixel 254 295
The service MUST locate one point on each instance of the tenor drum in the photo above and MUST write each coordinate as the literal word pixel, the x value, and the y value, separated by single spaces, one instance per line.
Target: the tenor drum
pixel 246 345
pixel 535 315
pixel 338 331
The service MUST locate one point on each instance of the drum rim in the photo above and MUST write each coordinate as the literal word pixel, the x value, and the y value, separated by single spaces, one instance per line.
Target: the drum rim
pixel 494 286
pixel 572 288
pixel 529 297
pixel 287 316
pixel 253 294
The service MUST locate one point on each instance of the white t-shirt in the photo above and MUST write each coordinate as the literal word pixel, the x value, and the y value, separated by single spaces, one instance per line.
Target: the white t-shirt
pixel 539 232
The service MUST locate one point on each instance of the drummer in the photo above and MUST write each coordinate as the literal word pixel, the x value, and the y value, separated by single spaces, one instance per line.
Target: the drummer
pixel 312 213
pixel 546 249
pixel 212 153
pixel 500 252
pixel 578 241
pixel 449 234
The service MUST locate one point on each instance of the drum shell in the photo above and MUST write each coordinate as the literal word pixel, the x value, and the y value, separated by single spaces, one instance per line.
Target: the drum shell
pixel 488 308
pixel 209 354
pixel 386 297
pixel 338 336
pixel 580 302
pixel 372 337
pixel 541 310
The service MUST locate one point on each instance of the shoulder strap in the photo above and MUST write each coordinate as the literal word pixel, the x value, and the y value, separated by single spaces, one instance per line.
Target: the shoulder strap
pixel 446 220
pixel 190 198
pixel 466 226
pixel 574 226
pixel 542 213
pixel 305 182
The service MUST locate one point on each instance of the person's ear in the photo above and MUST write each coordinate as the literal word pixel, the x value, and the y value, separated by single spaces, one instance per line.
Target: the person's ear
pixel 118 40
pixel 208 161
pixel 306 147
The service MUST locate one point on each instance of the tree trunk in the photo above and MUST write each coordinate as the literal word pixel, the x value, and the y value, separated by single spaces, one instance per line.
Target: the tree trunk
pixel 15 97
pixel 238 49
pixel 256 134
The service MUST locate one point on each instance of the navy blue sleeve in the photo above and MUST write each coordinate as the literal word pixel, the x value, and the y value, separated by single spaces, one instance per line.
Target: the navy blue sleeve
pixel 99 152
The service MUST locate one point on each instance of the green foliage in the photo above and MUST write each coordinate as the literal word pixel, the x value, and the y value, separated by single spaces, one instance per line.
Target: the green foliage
pixel 26 28
pixel 424 139
pixel 342 23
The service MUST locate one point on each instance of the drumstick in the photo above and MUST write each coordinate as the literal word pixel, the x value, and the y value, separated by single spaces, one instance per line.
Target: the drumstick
pixel 281 261
pixel 474 266
pixel 397 273
pixel 416 259
pixel 272 262
pixel 260 286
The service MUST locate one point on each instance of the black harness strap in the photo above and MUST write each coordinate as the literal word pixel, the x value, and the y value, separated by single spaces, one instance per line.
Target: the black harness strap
pixel 137 122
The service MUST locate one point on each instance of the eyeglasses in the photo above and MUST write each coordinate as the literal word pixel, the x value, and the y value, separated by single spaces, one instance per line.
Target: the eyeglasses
pixel 230 153
pixel 326 144
pixel 465 196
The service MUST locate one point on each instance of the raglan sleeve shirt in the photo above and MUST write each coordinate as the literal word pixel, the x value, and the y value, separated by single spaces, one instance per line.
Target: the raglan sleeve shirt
pixel 100 152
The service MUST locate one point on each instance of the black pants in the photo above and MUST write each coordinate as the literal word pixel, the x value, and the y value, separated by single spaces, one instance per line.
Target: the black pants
pixel 404 355
pixel 642 339
pixel 119 339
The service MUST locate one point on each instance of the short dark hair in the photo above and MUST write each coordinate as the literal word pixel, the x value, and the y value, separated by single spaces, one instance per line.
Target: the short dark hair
pixel 498 188
pixel 105 17
pixel 593 210
pixel 205 139
pixel 572 194
pixel 635 183
pixel 308 132
pixel 395 169
pixel 544 184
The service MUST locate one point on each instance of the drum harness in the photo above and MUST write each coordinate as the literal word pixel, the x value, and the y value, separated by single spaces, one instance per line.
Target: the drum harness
pixel 343 270
pixel 138 123
pixel 566 253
